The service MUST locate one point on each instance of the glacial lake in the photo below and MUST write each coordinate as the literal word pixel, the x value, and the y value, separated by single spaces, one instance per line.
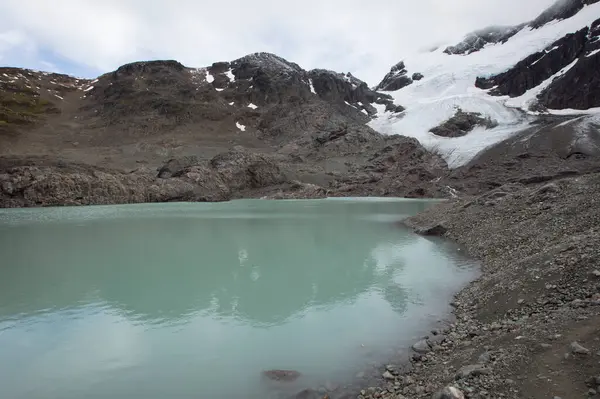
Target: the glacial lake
pixel 196 300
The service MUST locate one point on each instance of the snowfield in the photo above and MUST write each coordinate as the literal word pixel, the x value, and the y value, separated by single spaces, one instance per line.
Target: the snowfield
pixel 449 82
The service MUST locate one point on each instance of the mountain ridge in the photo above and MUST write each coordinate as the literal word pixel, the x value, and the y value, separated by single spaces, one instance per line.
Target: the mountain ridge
pixel 299 132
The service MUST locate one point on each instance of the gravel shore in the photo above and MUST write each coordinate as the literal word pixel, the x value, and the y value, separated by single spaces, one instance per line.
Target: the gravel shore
pixel 528 327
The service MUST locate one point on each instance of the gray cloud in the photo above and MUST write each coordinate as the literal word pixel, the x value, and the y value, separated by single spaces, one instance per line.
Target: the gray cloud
pixel 363 37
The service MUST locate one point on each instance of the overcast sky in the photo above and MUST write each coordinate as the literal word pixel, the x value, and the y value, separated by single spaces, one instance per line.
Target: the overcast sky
pixel 366 37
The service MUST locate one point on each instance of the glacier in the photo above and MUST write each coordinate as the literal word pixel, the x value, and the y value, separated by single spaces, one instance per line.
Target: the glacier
pixel 449 82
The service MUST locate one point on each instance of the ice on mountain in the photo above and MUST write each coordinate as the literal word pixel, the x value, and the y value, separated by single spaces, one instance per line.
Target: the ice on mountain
pixel 217 89
pixel 231 103
pixel 450 83
pixel 252 106
pixel 240 126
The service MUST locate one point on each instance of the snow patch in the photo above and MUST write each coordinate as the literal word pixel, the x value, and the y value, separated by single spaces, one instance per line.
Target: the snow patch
pixel 217 89
pixel 570 111
pixel 364 112
pixel 312 88
pixel 450 84
pixel 88 88
pixel 252 106
pixel 240 126
pixel 231 103
pixel 230 75
pixel 57 96
pixel 593 53
pixel 209 77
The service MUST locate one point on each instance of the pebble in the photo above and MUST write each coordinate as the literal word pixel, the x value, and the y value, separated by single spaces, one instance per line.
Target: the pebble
pixel 485 357
pixel 421 347
pixel 449 392
pixel 388 376
pixel 592 392
pixel 578 349
pixel 521 301
pixel 472 370
pixel 596 273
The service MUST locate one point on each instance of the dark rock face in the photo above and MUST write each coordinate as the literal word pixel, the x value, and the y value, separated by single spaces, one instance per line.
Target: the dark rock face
pixel 395 79
pixel 577 88
pixel 417 76
pixel 337 87
pixel 536 68
pixel 462 123
pixel 475 41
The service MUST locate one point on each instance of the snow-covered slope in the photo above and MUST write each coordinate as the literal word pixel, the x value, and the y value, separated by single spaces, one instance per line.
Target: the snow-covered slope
pixel 449 82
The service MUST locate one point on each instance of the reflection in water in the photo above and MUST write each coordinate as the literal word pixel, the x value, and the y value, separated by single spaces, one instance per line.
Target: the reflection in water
pixel 164 299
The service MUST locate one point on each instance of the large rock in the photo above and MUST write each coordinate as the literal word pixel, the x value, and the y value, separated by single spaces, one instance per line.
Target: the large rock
pixel 395 79
pixel 462 123
pixel 281 375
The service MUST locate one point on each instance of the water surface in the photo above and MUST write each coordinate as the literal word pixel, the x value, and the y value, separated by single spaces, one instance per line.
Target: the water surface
pixel 195 300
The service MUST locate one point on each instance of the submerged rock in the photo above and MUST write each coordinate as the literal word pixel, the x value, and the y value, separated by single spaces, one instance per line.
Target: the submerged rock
pixel 281 375
pixel 432 230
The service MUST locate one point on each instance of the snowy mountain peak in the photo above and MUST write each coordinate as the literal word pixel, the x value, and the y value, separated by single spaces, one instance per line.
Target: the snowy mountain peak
pixel 502 76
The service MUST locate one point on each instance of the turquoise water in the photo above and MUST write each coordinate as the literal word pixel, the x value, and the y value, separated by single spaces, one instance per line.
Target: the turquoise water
pixel 195 300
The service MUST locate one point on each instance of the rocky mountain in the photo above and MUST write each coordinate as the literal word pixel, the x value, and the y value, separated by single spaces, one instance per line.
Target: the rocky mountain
pixel 160 131
pixel 507 104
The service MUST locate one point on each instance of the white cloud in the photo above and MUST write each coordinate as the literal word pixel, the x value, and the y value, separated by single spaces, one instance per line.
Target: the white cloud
pixel 363 37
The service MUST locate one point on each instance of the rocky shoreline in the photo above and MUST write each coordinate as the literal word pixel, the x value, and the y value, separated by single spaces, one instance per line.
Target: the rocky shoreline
pixel 528 327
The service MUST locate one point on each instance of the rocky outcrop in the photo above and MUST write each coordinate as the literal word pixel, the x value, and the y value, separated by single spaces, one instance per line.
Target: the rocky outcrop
pixel 395 79
pixel 43 182
pixel 475 41
pixel 332 86
pixel 462 123
pixel 241 169
pixel 51 184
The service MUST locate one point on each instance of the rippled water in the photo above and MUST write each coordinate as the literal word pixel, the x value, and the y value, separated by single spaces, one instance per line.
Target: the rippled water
pixel 195 300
